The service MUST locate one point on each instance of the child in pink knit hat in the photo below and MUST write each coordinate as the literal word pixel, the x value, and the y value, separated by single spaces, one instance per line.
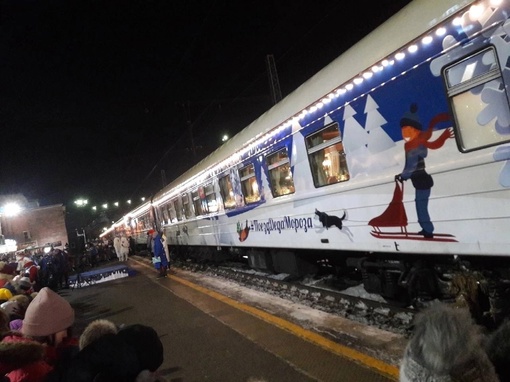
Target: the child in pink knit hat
pixel 48 323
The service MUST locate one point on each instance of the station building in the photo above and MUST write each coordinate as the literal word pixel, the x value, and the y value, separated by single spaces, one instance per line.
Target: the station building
pixel 32 226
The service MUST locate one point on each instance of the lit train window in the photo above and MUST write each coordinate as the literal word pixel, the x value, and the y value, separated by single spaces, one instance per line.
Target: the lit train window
pixel 280 175
pixel 187 206
pixel 327 157
pixel 171 212
pixel 469 84
pixel 249 184
pixel 199 203
pixel 166 219
pixel 210 197
pixel 227 192
pixel 178 209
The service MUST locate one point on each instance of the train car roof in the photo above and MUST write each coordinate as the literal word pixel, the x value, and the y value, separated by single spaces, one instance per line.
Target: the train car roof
pixel 409 23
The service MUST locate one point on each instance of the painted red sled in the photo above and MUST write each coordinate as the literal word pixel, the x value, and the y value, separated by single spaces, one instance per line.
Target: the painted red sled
pixel 395 214
pixel 395 217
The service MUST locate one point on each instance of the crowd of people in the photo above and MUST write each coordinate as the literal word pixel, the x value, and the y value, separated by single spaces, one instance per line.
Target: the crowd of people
pixel 37 344
pixel 36 326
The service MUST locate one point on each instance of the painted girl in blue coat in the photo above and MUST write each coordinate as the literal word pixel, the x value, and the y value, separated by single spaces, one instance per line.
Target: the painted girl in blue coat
pixel 416 150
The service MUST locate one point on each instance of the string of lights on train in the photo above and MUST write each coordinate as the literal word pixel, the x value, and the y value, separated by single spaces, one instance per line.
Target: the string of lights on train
pixel 476 12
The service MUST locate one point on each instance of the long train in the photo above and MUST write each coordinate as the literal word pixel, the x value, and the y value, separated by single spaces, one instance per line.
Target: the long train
pixel 391 163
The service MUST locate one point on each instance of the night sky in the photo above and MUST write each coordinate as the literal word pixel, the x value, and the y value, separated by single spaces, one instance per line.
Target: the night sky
pixel 97 97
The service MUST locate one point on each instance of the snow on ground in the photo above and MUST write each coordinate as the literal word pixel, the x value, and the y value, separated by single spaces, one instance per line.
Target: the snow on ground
pixel 379 343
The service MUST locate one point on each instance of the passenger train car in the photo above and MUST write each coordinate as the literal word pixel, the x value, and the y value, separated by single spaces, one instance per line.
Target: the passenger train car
pixel 392 161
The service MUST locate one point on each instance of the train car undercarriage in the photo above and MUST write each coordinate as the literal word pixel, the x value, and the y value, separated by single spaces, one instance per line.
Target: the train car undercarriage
pixel 482 285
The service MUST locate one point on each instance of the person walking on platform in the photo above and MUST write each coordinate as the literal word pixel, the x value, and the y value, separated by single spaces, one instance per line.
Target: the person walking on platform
pixel 159 255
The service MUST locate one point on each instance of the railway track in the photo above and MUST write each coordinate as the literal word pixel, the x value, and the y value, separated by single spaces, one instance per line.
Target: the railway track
pixel 383 315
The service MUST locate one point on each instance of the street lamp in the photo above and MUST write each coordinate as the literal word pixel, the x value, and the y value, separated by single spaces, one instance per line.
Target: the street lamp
pixel 8 210
pixel 81 202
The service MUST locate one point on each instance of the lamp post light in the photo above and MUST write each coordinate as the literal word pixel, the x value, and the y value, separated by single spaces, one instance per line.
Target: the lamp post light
pixel 81 202
pixel 9 210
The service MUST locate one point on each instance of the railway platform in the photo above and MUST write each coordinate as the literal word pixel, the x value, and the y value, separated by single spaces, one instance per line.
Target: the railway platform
pixel 211 335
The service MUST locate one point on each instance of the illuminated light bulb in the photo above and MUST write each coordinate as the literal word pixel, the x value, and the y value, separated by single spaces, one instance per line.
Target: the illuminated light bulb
pixel 440 31
pixel 426 40
pixel 413 48
pixel 400 56
pixel 319 105
pixel 349 86
pixel 367 75
pixel 340 91
pixel 358 80
pixel 457 21
pixel 475 11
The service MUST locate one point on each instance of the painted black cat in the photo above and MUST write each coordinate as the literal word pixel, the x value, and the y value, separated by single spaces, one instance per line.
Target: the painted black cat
pixel 329 220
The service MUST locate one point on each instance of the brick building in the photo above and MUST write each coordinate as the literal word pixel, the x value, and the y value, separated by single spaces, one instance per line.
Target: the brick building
pixel 35 226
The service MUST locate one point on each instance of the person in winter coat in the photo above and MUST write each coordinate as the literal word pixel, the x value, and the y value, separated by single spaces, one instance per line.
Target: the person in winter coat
pixel 95 330
pixel 47 325
pixel 22 359
pixel 124 249
pixel 116 246
pixel 446 346
pixel 159 255
pixel 4 322
pixel 498 350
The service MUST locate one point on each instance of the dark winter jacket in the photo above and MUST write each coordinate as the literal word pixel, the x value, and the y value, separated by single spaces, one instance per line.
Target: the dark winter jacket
pixel 119 357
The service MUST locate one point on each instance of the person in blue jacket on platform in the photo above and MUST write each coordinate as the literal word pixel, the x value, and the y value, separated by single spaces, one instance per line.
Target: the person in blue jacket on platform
pixel 159 255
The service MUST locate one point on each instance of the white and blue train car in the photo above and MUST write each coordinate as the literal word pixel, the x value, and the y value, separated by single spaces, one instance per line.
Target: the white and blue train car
pixel 397 151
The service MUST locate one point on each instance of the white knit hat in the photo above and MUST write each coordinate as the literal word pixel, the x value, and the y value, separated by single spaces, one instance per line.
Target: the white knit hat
pixel 48 313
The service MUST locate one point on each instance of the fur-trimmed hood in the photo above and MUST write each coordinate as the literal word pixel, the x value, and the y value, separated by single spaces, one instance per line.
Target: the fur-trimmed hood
pixel 17 352
pixel 446 346
pixel 95 330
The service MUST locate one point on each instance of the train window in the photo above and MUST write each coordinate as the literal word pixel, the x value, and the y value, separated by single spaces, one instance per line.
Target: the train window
pixel 171 213
pixel 210 196
pixel 198 197
pixel 166 219
pixel 187 206
pixel 227 192
pixel 249 184
pixel 178 209
pixel 280 175
pixel 467 81
pixel 327 157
